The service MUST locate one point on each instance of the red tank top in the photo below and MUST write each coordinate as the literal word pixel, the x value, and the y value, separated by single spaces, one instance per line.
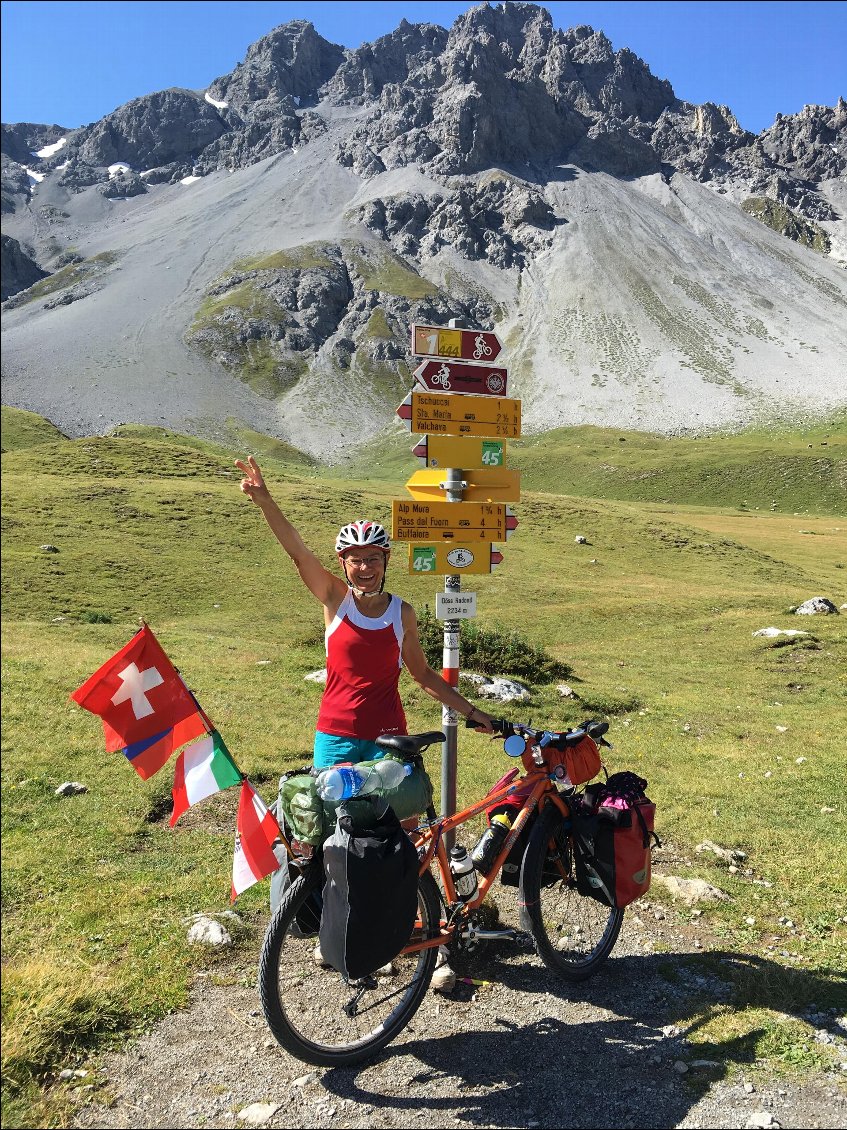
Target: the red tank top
pixel 363 663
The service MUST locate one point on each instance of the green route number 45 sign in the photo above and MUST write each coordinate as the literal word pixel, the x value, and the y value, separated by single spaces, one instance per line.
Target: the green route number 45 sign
pixel 492 454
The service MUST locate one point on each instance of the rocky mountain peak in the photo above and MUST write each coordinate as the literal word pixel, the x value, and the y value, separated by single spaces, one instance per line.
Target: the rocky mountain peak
pixel 292 61
pixel 391 60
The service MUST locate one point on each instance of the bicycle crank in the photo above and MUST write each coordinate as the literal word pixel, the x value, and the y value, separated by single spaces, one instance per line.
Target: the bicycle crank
pixel 472 935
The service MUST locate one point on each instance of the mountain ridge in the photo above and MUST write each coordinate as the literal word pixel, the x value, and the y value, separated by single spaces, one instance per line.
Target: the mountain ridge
pixel 520 177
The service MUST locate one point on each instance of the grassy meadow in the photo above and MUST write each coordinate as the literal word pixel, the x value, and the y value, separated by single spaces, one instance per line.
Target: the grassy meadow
pixel 692 546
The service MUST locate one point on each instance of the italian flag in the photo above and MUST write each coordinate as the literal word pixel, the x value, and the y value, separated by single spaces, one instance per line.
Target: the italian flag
pixel 202 769
pixel 256 833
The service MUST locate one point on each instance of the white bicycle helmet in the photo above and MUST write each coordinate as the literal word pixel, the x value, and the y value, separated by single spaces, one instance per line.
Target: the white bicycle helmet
pixel 362 533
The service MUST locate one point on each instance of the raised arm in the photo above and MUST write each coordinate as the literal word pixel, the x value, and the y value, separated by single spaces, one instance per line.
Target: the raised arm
pixel 430 681
pixel 318 580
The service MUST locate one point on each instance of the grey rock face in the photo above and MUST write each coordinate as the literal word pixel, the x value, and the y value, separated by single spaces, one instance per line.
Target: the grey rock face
pixel 282 73
pixel 19 270
pixel 14 184
pixel 168 126
pixel 322 298
pixel 123 184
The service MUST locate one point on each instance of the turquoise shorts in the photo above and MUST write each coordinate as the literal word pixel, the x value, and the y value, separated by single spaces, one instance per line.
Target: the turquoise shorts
pixel 331 750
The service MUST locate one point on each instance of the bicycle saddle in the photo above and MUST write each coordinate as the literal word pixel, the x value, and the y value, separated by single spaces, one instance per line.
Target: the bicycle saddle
pixel 408 745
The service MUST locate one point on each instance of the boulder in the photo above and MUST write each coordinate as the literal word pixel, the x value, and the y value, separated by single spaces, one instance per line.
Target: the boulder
pixel 815 606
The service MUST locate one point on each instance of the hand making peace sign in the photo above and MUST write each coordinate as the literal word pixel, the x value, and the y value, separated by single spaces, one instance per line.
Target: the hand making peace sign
pixel 252 484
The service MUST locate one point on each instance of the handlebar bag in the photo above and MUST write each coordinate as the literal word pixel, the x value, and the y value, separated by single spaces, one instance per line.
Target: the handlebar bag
pixel 581 761
pixel 370 897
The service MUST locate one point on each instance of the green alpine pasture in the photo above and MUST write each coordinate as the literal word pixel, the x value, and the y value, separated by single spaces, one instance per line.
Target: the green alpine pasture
pixel 690 547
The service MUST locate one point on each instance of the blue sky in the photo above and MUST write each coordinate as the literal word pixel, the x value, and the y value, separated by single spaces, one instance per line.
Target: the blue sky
pixel 73 62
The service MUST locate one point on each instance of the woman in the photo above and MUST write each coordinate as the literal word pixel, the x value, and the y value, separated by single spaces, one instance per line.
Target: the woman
pixel 370 636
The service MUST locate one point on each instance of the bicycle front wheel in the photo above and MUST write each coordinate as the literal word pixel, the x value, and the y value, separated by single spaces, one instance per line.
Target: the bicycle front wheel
pixel 573 934
pixel 311 1010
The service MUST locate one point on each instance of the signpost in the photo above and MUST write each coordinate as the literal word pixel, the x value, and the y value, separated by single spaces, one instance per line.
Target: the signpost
pixel 439 521
pixel 453 557
pixel 459 376
pixel 457 414
pixel 458 500
pixel 484 484
pixel 455 605
pixel 470 345
pixel 460 451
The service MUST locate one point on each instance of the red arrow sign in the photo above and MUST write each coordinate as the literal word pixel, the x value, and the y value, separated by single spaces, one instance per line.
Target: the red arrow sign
pixel 496 556
pixel 469 345
pixel 511 522
pixel 457 376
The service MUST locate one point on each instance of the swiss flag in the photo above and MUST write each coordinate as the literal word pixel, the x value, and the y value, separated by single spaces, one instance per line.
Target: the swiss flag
pixel 138 693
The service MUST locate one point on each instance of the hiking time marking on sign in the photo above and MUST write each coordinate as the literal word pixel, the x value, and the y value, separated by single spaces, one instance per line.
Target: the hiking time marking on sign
pixel 469 345
pixel 455 414
pixel 458 376
pixel 437 521
pixel 460 451
pixel 453 558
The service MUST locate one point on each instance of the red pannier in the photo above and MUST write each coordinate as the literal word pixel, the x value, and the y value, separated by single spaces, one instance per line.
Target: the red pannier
pixel 613 836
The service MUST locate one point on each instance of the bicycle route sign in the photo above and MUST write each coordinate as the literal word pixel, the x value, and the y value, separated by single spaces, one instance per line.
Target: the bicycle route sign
pixel 459 376
pixel 448 521
pixel 469 345
pixel 453 557
pixel 460 451
pixel 458 414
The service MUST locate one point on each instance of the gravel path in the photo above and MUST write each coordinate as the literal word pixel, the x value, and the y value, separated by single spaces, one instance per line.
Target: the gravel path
pixel 525 1052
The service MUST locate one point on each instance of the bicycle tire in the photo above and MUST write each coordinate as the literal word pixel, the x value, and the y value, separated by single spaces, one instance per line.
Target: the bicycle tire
pixel 307 1007
pixel 573 933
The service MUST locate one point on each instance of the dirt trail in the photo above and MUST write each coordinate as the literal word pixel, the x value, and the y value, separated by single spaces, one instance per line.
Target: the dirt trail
pixel 525 1051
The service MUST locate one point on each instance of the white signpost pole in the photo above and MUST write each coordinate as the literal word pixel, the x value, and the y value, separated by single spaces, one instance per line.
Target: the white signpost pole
pixel 454 486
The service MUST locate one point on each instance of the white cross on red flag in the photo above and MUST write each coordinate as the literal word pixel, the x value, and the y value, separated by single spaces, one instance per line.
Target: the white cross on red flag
pixel 138 693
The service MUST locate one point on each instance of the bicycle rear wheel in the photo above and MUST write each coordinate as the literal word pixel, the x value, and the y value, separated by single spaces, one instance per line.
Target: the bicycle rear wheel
pixel 313 1012
pixel 573 934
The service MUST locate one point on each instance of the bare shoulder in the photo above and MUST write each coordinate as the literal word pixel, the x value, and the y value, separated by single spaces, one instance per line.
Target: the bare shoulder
pixel 408 616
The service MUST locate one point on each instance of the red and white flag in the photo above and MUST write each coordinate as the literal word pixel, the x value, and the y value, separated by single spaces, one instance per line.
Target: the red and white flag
pixel 256 832
pixel 138 693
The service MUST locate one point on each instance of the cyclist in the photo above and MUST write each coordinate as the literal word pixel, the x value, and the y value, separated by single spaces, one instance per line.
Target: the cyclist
pixel 370 636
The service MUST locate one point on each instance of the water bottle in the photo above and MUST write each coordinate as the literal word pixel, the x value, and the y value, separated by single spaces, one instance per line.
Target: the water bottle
pixel 486 851
pixel 384 776
pixel 464 875
pixel 345 781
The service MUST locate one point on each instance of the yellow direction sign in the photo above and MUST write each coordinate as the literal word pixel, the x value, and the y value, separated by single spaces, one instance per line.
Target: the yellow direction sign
pixel 460 451
pixel 458 415
pixel 439 521
pixel 482 484
pixel 453 558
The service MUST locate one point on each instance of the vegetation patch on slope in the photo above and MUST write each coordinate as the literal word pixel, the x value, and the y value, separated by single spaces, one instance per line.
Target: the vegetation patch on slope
pixel 788 223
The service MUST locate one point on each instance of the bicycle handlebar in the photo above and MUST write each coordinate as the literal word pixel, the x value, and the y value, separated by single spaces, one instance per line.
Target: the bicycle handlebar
pixel 557 739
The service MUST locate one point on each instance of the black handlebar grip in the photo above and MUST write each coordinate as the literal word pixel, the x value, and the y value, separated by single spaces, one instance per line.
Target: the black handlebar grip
pixel 499 725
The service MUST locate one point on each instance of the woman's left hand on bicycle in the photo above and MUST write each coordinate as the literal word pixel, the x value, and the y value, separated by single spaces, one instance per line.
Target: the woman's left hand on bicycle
pixel 481 722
